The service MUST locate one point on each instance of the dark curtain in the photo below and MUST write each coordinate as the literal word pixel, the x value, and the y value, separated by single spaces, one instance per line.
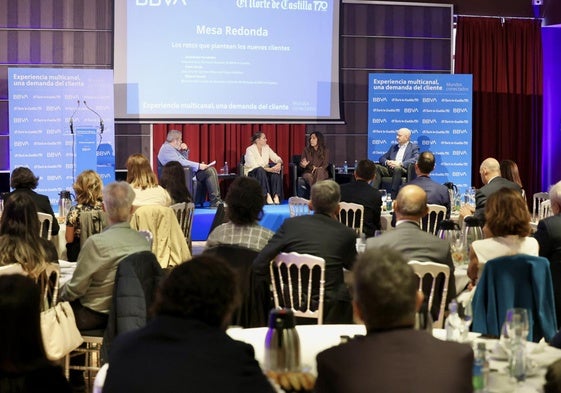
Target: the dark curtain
pixel 227 142
pixel 505 58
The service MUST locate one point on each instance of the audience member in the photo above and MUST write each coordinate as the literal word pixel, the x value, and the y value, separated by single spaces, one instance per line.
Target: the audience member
pixel 87 188
pixel 20 242
pixel 322 235
pixel 144 183
pixel 184 348
pixel 22 180
pixel 509 170
pixel 507 229
pixel 258 158
pixel 362 193
pixel 395 161
pixel 24 366
pixel 91 287
pixel 410 207
pixel 553 378
pixel 244 203
pixel 437 193
pixel 207 179
pixel 490 172
pixel 392 357
pixel 315 159
pixel 173 180
pixel 548 233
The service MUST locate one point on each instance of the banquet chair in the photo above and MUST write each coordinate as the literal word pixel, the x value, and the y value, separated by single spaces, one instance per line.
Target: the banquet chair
pixel 255 298
pixel 168 244
pixel 545 210
pixel 522 281
pixel 430 222
pixel 184 213
pixel 46 227
pixel 219 217
pixel 433 269
pixel 298 206
pixel 298 282
pixel 538 199
pixel 91 223
pixel 352 215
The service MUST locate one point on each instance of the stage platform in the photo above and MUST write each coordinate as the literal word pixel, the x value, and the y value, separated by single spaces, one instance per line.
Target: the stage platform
pixel 273 217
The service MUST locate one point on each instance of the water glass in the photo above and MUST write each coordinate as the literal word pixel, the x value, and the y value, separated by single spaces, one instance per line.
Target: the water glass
pixel 517 323
pixel 458 249
pixel 384 194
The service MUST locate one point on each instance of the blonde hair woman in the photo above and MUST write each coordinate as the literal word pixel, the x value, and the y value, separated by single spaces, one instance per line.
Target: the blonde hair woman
pixel 87 189
pixel 144 183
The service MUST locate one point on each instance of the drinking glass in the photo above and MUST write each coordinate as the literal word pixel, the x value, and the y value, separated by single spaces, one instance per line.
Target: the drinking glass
pixel 384 194
pixel 457 248
pixel 517 323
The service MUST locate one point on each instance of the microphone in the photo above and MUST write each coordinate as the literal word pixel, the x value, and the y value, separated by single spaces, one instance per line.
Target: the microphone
pixel 101 126
pixel 72 118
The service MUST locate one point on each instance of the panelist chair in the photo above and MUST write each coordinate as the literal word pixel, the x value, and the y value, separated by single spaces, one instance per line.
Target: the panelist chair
pixel 299 187
pixel 241 166
pixel 386 181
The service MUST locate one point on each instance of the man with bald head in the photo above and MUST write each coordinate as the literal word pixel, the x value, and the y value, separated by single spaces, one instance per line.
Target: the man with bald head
pixel 408 237
pixel 395 161
pixel 490 172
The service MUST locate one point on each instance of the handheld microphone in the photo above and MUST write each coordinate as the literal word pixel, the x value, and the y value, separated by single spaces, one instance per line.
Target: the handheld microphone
pixel 101 126
pixel 72 118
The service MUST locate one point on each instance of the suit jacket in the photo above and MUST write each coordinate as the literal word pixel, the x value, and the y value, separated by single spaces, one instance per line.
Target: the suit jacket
pixel 43 205
pixel 484 192
pixel 398 361
pixel 369 197
pixel 436 193
pixel 410 156
pixel 322 236
pixel 419 245
pixel 172 354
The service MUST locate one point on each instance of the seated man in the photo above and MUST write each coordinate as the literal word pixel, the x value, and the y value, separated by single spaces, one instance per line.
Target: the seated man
pixel 175 150
pixel 437 193
pixel 362 193
pixel 322 235
pixel 90 289
pixel 395 161
pixel 392 357
pixel 185 348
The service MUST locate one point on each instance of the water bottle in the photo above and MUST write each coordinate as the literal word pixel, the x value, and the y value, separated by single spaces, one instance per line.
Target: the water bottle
pixel 64 203
pixel 225 169
pixel 282 345
pixel 389 203
pixel 345 167
pixel 356 164
pixel 480 369
pixel 453 322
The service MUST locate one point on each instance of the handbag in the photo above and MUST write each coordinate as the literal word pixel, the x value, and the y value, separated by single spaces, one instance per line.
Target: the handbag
pixel 60 333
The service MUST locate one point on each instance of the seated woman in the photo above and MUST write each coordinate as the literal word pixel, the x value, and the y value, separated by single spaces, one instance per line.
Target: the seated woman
pixel 87 187
pixel 173 180
pixel 24 366
pixel 20 242
pixel 258 158
pixel 144 183
pixel 244 203
pixel 315 159
pixel 507 229
pixel 24 181
pixel 509 170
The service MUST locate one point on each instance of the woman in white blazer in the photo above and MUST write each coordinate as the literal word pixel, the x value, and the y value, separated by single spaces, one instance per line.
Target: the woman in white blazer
pixel 262 163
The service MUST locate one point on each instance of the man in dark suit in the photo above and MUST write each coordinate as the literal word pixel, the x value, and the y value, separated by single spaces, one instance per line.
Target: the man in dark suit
pixel 392 357
pixel 437 193
pixel 416 244
pixel 548 236
pixel 185 346
pixel 23 180
pixel 362 193
pixel 322 235
pixel 490 171
pixel 395 161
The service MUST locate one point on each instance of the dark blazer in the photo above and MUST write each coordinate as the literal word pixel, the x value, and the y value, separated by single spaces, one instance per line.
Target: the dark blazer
pixel 397 361
pixel 410 156
pixel 484 192
pixel 436 193
pixel 322 236
pixel 43 205
pixel 172 354
pixel 361 192
pixel 419 245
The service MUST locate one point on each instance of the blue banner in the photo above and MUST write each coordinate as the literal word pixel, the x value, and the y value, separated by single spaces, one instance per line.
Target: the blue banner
pixel 437 108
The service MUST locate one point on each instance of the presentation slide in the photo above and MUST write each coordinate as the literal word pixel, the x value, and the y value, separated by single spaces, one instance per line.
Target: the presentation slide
pixel 229 59
pixel 437 108
pixel 61 123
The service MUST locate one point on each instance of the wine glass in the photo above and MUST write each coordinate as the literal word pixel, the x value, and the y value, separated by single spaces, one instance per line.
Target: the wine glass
pixel 517 323
pixel 457 248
